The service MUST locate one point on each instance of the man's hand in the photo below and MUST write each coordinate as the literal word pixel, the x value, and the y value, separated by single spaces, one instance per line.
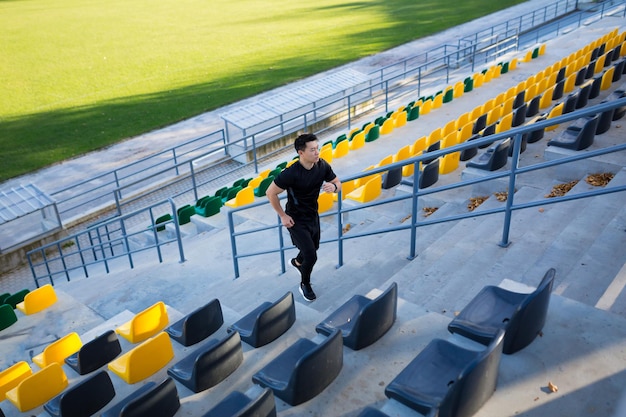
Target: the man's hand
pixel 287 221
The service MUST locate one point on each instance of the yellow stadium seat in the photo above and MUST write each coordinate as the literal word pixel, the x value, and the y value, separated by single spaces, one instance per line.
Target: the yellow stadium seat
pixel 570 84
pixel 400 119
pixel 324 202
pixel 57 351
pixel 479 79
pixel 449 162
pixel 326 153
pixel 387 127
pixel 361 181
pixel 434 137
pixel 346 188
pixel 369 191
pixel 449 140
pixel 513 64
pixel 494 115
pixel 426 107
pixel 254 182
pixel 555 112
pixel 505 123
pixel 12 376
pixel 531 91
pixel 507 106
pixel 546 98
pixel 145 324
pixel 438 101
pixel 144 359
pixel 488 106
pixel 38 388
pixel 244 196
pixel 476 113
pixel 358 140
pixel 419 145
pixel 293 161
pixel 607 80
pixel 342 148
pixel 448 128
pixel 466 132
pixel 462 120
pixel 264 174
pixel 37 300
pixel 402 154
pixel 459 89
pixel 599 64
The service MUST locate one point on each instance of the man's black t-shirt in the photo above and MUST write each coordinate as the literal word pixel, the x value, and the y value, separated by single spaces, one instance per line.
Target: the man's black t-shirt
pixel 303 187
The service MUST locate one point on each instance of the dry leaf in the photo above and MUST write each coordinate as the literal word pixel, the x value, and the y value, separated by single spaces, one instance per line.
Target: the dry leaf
pixel 541 210
pixel 405 218
pixel 502 195
pixel 476 201
pixel 552 387
pixel 429 210
pixel 599 180
pixel 560 190
pixel 456 313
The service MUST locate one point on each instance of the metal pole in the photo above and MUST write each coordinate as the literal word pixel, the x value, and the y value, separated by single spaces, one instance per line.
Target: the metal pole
pixel 517 145
pixel 416 180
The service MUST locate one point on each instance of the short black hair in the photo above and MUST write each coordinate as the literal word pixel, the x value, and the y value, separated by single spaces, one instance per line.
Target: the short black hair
pixel 302 140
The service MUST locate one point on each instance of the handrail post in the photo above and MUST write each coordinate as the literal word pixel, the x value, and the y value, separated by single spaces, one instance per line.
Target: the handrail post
pixel 281 242
pixel 193 180
pixel 179 239
pixel 233 244
pixel 414 201
pixel 517 146
pixel 339 230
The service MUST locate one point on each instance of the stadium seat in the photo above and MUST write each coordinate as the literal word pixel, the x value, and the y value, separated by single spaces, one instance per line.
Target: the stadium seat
pixel 303 370
pixel 358 141
pixel 556 111
pixel 209 206
pixel 429 174
pixel 95 353
pixel 144 359
pixel 209 364
pixel 14 299
pixel 244 197
pixel 237 404
pixel 57 351
pixel 494 158
pixel 387 127
pixel 413 114
pixel 341 149
pixel 184 214
pixel 150 400
pixel 373 133
pixel 467 154
pixel 262 188
pixel 449 163
pixel 367 192
pixel 39 387
pixel 520 315
pixel 38 300
pixel 371 412
pixel 85 398
pixel 7 316
pixel 447 380
pixel 145 324
pixel 197 325
pixel 12 376
pixel 232 191
pixel 578 136
pixel 361 320
pixel 267 322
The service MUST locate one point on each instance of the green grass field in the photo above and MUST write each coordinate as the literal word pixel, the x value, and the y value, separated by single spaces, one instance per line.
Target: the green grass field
pixel 78 75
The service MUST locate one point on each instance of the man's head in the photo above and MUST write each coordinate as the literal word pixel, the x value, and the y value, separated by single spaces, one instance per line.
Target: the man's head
pixel 301 141
pixel 308 149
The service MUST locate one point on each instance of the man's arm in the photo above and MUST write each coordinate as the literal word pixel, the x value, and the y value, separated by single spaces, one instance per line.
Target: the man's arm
pixel 272 193
pixel 332 186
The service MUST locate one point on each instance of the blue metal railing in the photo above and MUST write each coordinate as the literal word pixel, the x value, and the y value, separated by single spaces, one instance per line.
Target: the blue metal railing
pixel 105 242
pixel 510 174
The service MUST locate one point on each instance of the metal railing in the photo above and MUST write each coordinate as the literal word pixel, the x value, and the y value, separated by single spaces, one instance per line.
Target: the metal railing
pixel 481 47
pixel 102 244
pixel 510 176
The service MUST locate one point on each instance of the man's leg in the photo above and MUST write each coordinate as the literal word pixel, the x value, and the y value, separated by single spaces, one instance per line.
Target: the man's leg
pixel 305 238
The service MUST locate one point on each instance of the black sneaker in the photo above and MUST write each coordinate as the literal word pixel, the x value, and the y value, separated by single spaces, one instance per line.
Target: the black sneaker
pixel 295 265
pixel 307 292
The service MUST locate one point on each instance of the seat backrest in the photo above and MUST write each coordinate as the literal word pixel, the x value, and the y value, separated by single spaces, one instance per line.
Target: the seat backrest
pixel 85 398
pixel 198 325
pixel 430 174
pixel 237 404
pixel 38 299
pixel 530 317
pixel 161 400
pixel 145 324
pixel 262 188
pixel 213 365
pixel 476 383
pixel 95 353
pixel 12 376
pixel 16 298
pixel 376 318
pixel 144 359
pixel 318 367
pixel 58 350
pixel 7 316
pixel 38 388
pixel 275 320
